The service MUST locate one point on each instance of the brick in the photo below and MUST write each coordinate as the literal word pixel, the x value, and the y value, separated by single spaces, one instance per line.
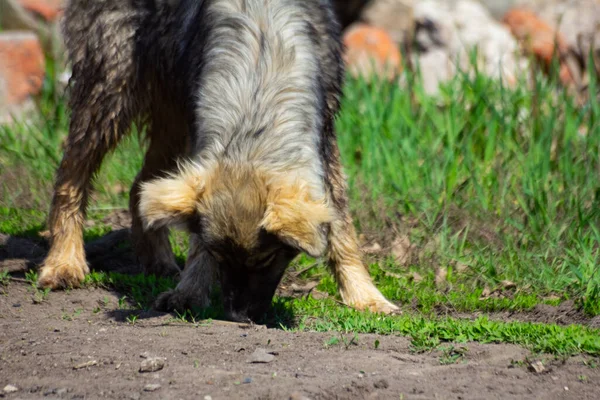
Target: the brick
pixel 537 36
pixel 540 39
pixel 22 68
pixel 49 10
pixel 371 51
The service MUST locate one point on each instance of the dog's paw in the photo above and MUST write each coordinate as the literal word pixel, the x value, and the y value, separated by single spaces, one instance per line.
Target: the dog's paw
pixel 379 305
pixel 176 300
pixel 62 275
pixel 384 307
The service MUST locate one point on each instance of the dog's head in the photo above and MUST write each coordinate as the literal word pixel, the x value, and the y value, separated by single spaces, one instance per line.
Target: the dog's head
pixel 250 223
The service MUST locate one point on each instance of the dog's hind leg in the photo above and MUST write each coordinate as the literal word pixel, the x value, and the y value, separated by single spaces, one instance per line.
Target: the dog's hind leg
pixel 355 284
pixel 152 245
pixel 101 46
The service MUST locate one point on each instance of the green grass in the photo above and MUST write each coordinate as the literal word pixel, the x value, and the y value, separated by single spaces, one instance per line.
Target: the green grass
pixel 490 184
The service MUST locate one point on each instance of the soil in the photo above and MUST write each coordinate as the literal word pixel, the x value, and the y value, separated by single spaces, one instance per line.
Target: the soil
pixel 80 344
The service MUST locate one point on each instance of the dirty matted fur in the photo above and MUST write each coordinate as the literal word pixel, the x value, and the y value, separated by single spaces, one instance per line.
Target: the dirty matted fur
pixel 240 98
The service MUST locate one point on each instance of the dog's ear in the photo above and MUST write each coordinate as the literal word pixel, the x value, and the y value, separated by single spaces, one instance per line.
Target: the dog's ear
pixel 297 219
pixel 171 200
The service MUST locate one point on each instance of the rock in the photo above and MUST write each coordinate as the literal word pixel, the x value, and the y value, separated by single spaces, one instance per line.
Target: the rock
pixel 393 16
pixel 152 387
pixel 261 356
pixel 536 36
pixel 22 70
pixel 577 20
pixel 451 30
pixel 436 68
pixel 49 10
pixel 537 367
pixel 10 389
pixel 497 47
pixel 152 364
pixel 498 8
pixel 543 41
pixel 298 396
pixel 86 364
pixel 370 52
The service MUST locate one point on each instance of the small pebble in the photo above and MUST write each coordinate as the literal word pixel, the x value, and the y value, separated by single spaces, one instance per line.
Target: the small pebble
pixel 207 397
pixel 152 387
pixel 152 364
pixel 10 389
pixel 261 356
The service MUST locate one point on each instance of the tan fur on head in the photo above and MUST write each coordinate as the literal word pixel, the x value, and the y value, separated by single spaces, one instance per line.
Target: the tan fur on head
pixel 168 201
pixel 297 218
pixel 251 198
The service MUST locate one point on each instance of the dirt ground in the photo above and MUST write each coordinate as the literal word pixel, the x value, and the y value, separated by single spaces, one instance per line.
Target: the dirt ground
pixel 74 345
pixel 80 344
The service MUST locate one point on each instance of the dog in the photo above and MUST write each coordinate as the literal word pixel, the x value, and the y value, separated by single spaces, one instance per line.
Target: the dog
pixel 239 98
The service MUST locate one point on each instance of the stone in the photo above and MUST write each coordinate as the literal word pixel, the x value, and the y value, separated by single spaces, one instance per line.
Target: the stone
pixel 393 16
pixel 22 71
pixel 152 364
pixel 371 52
pixel 537 367
pixel 536 36
pixel 436 68
pixel 152 387
pixel 10 389
pixel 452 30
pixel 261 356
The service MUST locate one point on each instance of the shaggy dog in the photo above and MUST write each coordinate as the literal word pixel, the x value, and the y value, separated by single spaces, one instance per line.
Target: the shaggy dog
pixel 239 99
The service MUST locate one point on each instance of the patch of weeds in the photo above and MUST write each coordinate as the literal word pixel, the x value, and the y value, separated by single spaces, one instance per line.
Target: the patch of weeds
pixel 132 319
pixel 333 341
pixel 343 339
pixel 70 317
pixel 40 295
pixel 31 276
pixel 428 333
pixel 452 354
pixel 96 279
pixel 122 303
pixel 4 278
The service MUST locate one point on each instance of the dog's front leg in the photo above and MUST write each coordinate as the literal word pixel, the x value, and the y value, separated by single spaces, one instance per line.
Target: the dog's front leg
pixel 197 280
pixel 355 284
pixel 92 133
